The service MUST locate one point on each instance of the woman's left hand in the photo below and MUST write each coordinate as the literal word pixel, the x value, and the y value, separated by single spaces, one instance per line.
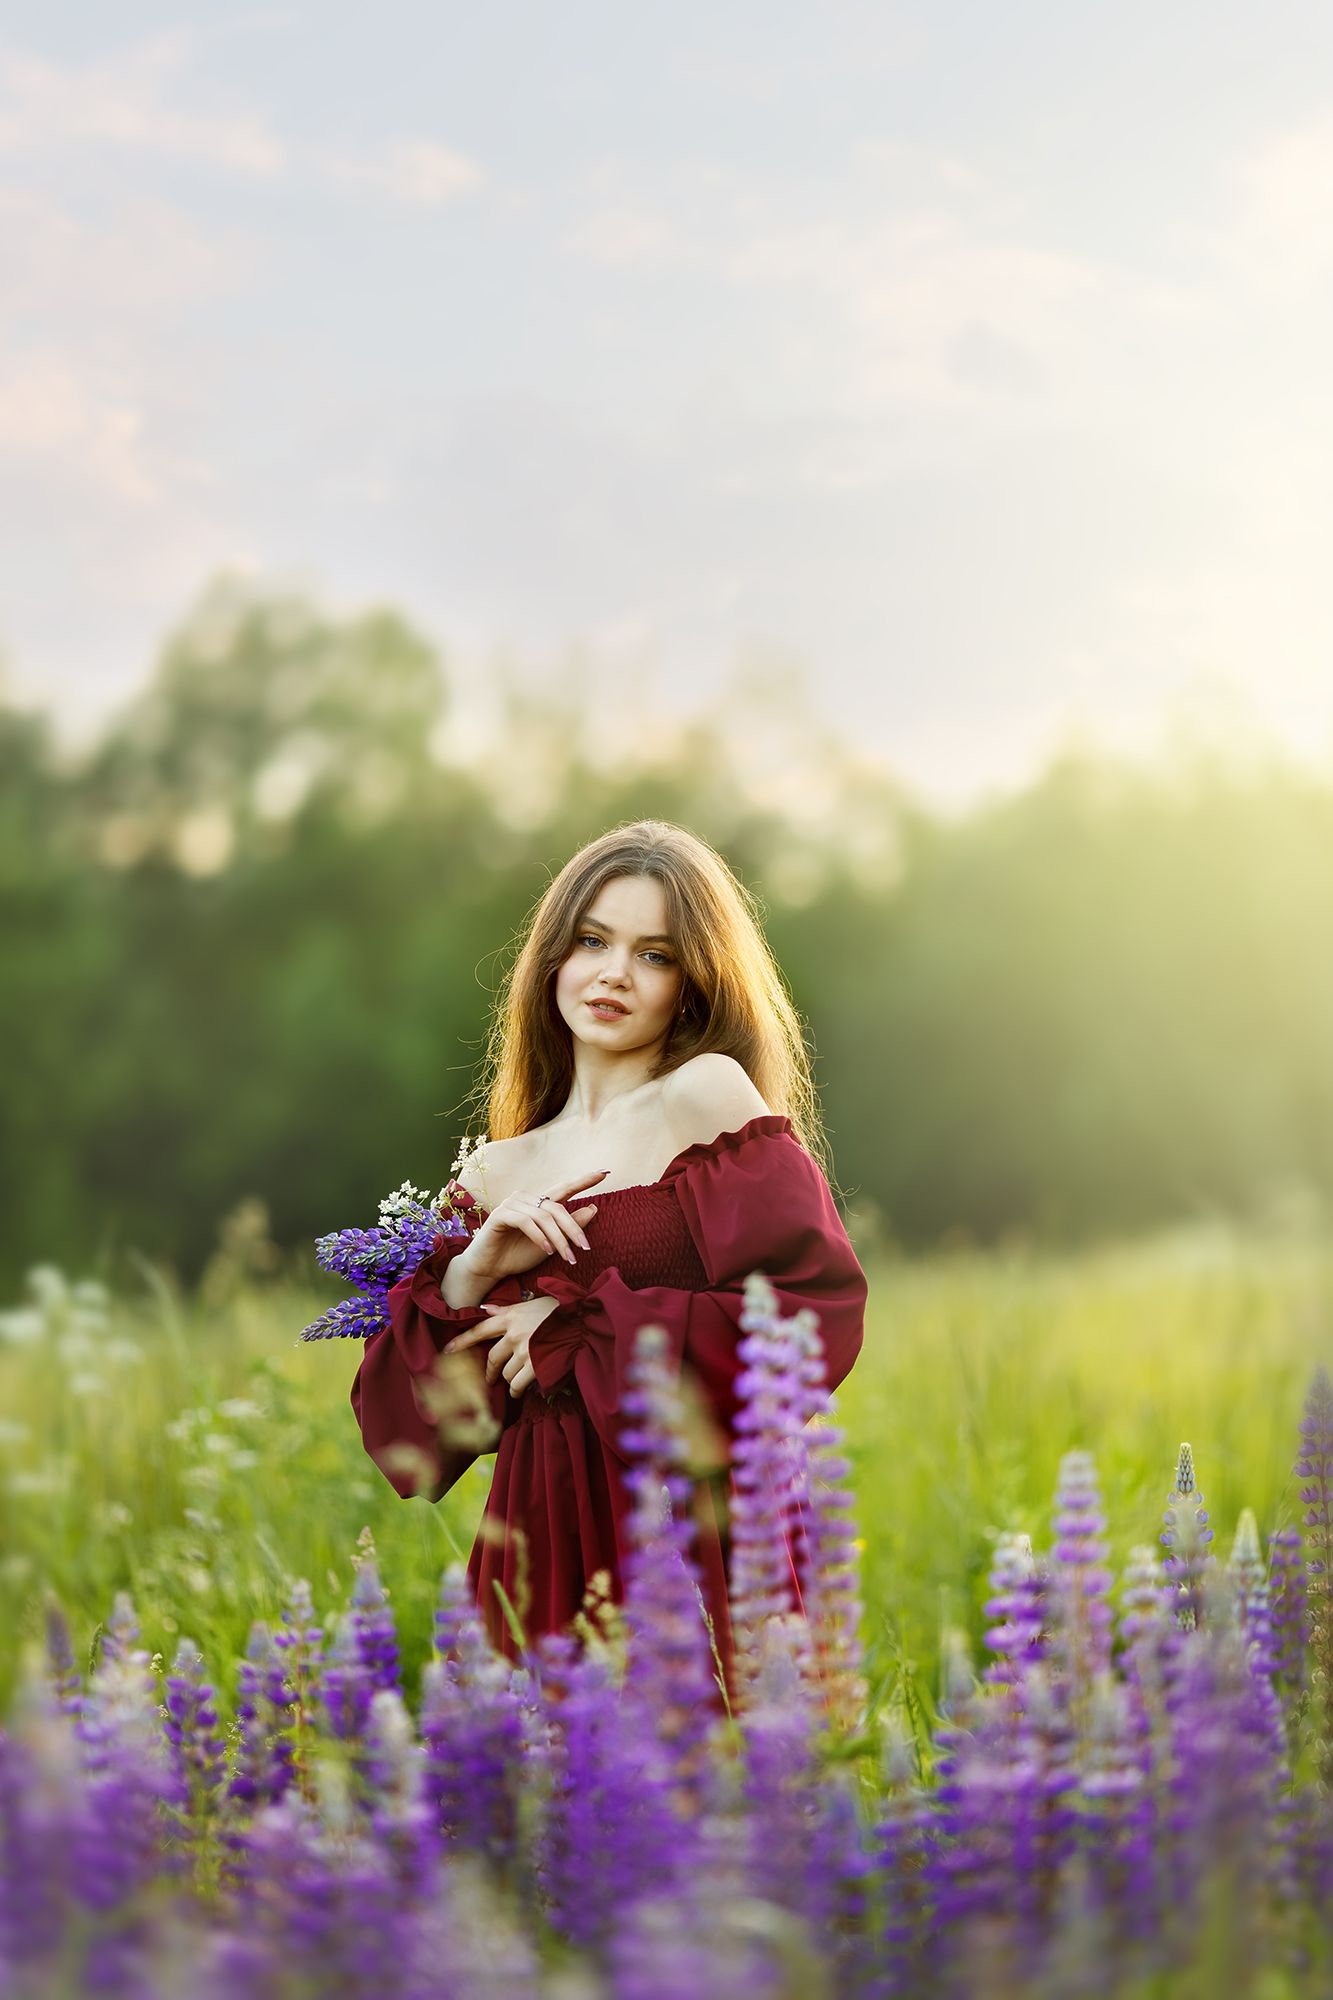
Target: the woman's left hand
pixel 511 1328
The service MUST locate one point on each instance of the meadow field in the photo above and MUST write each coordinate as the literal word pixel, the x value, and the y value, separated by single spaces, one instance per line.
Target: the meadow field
pixel 201 1457
pixel 258 1738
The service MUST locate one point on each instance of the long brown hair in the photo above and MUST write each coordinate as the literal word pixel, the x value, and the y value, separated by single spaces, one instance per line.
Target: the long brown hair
pixel 733 997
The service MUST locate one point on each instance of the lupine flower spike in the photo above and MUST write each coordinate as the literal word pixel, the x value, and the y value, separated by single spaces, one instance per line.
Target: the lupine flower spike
pixel 1187 1535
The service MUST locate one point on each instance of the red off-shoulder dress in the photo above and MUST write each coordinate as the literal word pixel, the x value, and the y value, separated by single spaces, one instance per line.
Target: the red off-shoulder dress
pixel 674 1252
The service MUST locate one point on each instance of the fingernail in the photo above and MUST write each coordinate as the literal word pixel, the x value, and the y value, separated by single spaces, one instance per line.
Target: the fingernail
pixel 584 1241
pixel 449 1346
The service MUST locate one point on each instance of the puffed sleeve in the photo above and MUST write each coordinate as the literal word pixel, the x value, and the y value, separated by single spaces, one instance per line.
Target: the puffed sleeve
pixel 753 1200
pixel 424 1427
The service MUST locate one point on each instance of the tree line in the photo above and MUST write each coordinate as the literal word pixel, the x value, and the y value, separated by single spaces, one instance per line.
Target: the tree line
pixel 251 936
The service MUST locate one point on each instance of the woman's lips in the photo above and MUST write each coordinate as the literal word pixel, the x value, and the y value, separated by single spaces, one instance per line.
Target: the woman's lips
pixel 608 1010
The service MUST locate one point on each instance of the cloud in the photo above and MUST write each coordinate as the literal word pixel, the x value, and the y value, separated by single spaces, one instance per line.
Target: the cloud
pixel 130 103
pixel 1279 233
pixel 919 287
pixel 626 236
pixel 133 103
pixel 57 270
pixel 419 173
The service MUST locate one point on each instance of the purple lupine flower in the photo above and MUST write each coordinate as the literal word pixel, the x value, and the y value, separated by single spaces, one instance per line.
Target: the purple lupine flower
pixel 984 1808
pixel 1224 1788
pixel 669 1671
pixel 120 1638
pixel 265 1756
pixel 372 1624
pixel 1017 1601
pixel 39 1777
pixel 780 1781
pixel 62 1673
pixel 458 1630
pixel 1249 1586
pixel 1080 1581
pixel 1187 1534
pixel 300 1643
pixel 825 1541
pixel 473 1730
pixel 130 1779
pixel 464 1940
pixel 679 1947
pixel 1118 1834
pixel 767 1467
pixel 324 1899
pixel 369 1257
pixel 900 1844
pixel 587 1862
pixel 1148 1627
pixel 1041 1821
pixel 354 1318
pixel 1315 1466
pixel 191 1728
pixel 346 1686
pixel 1287 1610
pixel 400 1812
pixel 840 1875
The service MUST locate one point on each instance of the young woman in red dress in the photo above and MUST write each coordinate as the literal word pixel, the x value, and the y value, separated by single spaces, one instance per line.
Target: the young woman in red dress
pixel 653 1140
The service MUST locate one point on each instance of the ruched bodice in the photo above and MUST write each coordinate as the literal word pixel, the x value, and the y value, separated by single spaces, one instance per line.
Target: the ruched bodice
pixel 638 1230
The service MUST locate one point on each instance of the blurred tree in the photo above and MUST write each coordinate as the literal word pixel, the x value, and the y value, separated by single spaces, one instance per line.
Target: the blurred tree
pixel 250 944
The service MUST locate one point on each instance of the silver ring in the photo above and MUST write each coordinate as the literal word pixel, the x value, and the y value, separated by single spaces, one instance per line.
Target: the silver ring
pixel 542 1198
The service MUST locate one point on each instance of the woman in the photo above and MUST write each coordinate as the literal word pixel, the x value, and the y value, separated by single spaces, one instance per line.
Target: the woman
pixel 652 1121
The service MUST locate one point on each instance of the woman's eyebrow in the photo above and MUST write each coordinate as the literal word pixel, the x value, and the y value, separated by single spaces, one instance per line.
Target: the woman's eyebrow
pixel 653 937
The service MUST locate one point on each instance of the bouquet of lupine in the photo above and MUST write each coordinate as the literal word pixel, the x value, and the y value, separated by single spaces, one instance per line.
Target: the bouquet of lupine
pixel 410 1227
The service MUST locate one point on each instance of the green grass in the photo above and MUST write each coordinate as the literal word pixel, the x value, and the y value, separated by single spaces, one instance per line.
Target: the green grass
pixel 202 1457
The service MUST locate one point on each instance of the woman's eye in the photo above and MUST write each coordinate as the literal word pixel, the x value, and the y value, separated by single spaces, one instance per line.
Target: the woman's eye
pixel 587 937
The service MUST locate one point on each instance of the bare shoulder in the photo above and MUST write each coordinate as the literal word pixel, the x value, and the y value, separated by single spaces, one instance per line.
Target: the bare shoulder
pixel 710 1093
pixel 495 1163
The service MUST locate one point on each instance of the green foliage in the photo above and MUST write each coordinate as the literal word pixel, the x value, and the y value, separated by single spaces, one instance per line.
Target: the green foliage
pixel 201 1457
pixel 251 942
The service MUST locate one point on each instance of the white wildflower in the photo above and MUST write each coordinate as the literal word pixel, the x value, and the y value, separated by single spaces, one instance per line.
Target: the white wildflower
pixel 42 1482
pixel 404 1202
pixel 240 1410
pixel 23 1326
pixel 48 1285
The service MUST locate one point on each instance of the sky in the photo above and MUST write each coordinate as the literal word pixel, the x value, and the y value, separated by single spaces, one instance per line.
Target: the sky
pixel 969 361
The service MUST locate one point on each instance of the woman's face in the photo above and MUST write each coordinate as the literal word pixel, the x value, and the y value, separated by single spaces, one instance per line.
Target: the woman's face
pixel 621 953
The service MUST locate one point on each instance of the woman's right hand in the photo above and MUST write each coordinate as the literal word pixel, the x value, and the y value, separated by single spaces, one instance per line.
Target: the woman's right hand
pixel 523 1230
